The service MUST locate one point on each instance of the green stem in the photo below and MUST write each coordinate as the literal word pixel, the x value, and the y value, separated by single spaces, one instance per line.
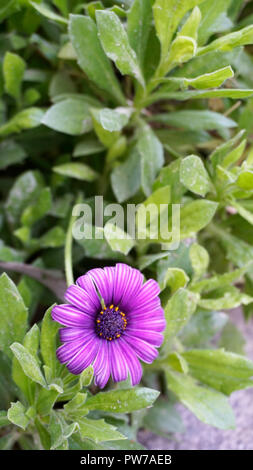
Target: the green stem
pixel 68 255
pixel 68 249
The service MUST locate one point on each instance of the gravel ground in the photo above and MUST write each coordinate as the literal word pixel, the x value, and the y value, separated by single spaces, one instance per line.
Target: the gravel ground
pixel 200 436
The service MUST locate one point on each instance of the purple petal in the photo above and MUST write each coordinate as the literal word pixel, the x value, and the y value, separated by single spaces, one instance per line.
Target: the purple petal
pixel 146 323
pixel 84 357
pixel 143 350
pixel 79 298
pixel 151 337
pixel 86 283
pixel 133 364
pixel 102 365
pixel 102 283
pixel 68 350
pixel 131 289
pixel 72 334
pixel 70 316
pixel 148 295
pixel 118 365
pixel 122 273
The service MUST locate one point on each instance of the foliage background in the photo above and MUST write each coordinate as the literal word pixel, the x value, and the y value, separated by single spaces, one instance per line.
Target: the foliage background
pixel 144 101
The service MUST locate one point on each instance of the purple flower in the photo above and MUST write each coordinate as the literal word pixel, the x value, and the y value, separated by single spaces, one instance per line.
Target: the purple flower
pixel 115 334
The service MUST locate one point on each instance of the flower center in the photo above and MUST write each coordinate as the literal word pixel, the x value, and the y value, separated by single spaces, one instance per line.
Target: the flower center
pixel 110 323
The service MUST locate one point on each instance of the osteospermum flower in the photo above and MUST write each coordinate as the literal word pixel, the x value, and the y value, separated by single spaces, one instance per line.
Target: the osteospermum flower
pixel 112 320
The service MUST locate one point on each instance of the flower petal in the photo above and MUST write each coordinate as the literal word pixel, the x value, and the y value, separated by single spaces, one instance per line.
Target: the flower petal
pixel 102 365
pixel 132 288
pixel 84 357
pixel 70 316
pixel 122 273
pixel 118 364
pixel 104 287
pixel 72 334
pixel 143 350
pixel 68 350
pixel 148 323
pixel 148 295
pixel 133 363
pixel 86 283
pixel 77 296
pixel 151 337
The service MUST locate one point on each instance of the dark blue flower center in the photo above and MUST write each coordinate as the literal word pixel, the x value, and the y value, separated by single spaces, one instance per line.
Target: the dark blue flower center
pixel 111 322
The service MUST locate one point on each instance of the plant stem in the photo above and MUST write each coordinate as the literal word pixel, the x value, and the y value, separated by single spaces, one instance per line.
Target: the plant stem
pixel 68 250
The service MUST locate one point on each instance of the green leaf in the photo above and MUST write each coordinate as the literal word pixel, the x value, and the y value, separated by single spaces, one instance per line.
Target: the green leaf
pixel 44 10
pixel 46 400
pixel 203 325
pixel 70 116
pixel 225 297
pixel 60 431
pixel 49 330
pixel 31 343
pixel 43 433
pixel 210 80
pixel 175 278
pixel 126 178
pixel 195 216
pixel 139 21
pixel 199 259
pixel 167 15
pixel 54 238
pixel 182 49
pixel 26 188
pixel 222 370
pixel 194 176
pixel 88 146
pixel 84 37
pixel 116 44
pixel 78 171
pixel 11 153
pixel 13 314
pixel 13 72
pixel 245 180
pixel 76 408
pixel 147 220
pixel 29 363
pixel 37 210
pixel 178 311
pixel 3 419
pixel 26 119
pixel 86 377
pixel 208 405
pixel 106 137
pixel 114 119
pixel 170 175
pixel 232 93
pixel 117 239
pixel 163 418
pixel 122 401
pixel 247 215
pixel 98 430
pixel 16 414
pixel 229 41
pixel 152 158
pixel 195 120
pixel 220 153
pixel 231 339
pixel 214 19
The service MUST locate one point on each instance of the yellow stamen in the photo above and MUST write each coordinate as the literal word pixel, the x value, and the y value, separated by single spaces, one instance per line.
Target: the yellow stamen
pixel 111 306
pixel 116 309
